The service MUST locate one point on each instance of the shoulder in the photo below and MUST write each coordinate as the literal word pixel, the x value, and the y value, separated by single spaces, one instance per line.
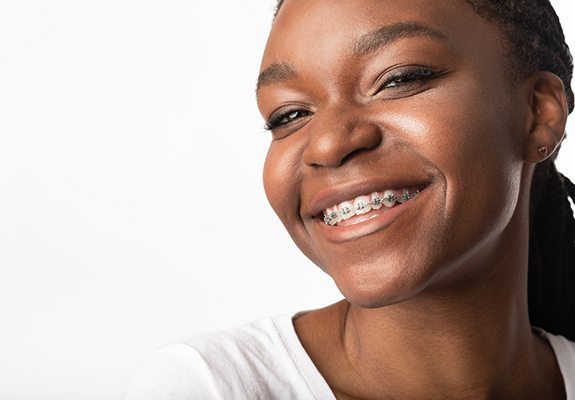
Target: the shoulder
pixel 174 372
pixel 565 354
pixel 257 360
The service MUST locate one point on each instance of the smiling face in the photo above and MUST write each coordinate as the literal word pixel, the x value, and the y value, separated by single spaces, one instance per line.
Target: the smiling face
pixel 368 100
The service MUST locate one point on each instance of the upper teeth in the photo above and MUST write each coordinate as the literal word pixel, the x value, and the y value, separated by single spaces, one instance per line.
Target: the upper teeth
pixel 364 204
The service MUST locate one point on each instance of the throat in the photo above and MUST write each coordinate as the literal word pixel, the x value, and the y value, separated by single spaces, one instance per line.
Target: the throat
pixel 359 363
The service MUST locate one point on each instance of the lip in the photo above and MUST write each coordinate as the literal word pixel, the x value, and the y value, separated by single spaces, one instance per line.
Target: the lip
pixel 335 195
pixel 380 222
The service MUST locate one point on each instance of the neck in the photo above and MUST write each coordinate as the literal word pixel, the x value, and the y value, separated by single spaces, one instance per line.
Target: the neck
pixel 480 311
pixel 464 339
pixel 471 348
pixel 474 340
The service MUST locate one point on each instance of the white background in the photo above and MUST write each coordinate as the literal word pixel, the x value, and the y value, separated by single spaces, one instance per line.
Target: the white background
pixel 131 207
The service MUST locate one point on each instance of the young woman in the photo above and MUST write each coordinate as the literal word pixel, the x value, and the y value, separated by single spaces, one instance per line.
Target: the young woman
pixel 411 160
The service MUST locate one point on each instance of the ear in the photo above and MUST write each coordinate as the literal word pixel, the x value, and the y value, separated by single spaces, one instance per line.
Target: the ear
pixel 548 116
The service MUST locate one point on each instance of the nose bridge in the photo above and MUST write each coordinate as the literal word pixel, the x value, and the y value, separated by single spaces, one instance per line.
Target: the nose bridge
pixel 339 132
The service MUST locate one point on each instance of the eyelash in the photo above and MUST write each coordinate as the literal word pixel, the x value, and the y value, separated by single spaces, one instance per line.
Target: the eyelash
pixel 403 77
pixel 289 116
pixel 417 75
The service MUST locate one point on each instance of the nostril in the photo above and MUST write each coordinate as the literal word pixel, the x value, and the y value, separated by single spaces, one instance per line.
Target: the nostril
pixel 332 148
pixel 364 138
pixel 354 154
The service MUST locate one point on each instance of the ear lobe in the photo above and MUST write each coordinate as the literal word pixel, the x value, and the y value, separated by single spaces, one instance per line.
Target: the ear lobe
pixel 548 117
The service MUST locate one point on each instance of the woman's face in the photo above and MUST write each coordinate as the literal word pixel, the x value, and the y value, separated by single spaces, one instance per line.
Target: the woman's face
pixel 372 96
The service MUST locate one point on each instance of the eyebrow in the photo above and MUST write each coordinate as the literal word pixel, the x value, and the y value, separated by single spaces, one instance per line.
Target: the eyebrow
pixel 365 45
pixel 276 73
pixel 375 40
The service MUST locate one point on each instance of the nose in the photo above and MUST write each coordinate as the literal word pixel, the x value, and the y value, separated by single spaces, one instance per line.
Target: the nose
pixel 338 137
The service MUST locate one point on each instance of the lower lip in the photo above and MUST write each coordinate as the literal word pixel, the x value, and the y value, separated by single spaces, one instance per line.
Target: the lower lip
pixel 339 234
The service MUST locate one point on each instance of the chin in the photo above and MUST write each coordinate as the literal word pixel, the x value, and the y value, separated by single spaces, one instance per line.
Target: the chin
pixel 367 289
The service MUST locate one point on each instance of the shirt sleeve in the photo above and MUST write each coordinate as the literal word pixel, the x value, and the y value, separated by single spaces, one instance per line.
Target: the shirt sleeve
pixel 565 354
pixel 176 372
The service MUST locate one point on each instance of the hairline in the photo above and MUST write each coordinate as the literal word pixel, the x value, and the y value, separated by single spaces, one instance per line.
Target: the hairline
pixel 513 63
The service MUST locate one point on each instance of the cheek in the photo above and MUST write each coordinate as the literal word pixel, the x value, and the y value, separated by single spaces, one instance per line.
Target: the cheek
pixel 475 144
pixel 281 180
pixel 472 140
pixel 282 184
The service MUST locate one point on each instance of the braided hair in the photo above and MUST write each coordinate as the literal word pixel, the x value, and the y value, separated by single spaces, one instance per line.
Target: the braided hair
pixel 535 42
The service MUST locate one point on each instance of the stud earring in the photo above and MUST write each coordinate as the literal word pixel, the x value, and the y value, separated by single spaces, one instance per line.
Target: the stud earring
pixel 543 151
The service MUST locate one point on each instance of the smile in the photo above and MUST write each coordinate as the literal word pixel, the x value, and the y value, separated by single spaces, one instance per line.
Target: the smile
pixel 366 206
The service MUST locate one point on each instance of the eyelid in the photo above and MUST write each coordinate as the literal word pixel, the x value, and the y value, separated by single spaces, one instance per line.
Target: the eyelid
pixel 402 70
pixel 273 122
pixel 406 76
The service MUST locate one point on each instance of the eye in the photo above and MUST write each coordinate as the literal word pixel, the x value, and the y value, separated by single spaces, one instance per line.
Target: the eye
pixel 284 118
pixel 407 78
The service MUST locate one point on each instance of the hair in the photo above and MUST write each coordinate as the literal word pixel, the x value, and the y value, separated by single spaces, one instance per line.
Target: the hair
pixel 535 42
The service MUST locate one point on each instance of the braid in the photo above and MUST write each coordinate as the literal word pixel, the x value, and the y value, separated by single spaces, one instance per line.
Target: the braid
pixel 536 42
pixel 552 252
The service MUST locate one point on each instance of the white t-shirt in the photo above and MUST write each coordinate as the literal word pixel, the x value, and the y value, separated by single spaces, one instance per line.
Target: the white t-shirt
pixel 262 360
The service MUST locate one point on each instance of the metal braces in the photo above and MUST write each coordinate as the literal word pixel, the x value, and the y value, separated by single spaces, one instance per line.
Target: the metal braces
pixel 333 216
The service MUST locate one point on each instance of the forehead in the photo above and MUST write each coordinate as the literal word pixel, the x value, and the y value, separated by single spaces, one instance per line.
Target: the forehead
pixel 315 31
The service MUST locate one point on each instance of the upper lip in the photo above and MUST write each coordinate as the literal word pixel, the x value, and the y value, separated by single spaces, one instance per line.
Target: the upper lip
pixel 337 194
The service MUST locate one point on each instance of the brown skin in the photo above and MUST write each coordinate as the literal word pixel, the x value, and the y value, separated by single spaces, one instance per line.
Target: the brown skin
pixel 451 269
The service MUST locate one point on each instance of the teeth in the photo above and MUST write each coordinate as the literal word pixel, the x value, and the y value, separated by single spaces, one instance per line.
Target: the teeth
pixel 333 216
pixel 364 204
pixel 376 201
pixel 346 210
pixel 404 196
pixel 389 198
